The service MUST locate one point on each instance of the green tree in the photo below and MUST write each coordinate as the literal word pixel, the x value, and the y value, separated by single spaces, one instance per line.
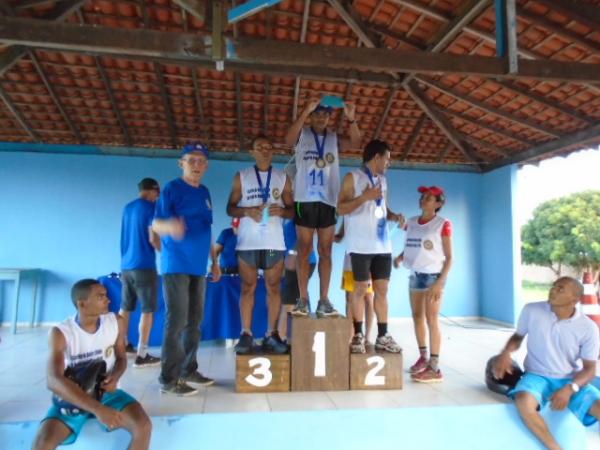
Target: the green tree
pixel 564 231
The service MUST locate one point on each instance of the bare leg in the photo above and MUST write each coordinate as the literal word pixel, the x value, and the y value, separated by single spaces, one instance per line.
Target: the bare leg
pixel 358 304
pixel 304 246
pixel 432 311
pixel 139 425
pixel 527 406
pixel 324 247
pixel 369 314
pixel 125 315
pixel 273 285
pixel 248 276
pixel 418 313
pixel 146 326
pixel 50 435
pixel 380 289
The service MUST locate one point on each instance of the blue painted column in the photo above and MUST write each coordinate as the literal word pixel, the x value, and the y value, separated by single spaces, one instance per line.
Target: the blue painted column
pixel 500 282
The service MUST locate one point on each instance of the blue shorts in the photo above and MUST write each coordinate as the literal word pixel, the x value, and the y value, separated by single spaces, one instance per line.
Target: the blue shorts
pixel 118 400
pixel 542 389
pixel 422 281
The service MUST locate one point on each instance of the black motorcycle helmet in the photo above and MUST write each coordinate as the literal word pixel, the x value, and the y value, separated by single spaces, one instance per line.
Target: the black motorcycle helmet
pixel 507 382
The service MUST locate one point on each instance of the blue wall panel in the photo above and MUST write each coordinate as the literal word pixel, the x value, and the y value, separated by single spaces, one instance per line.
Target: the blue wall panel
pixel 62 213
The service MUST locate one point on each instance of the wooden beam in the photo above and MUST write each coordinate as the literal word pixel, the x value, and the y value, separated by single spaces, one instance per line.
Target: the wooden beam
pixel 577 138
pixel 386 111
pixel 469 12
pixel 195 7
pixel 240 115
pixel 305 15
pixel 581 12
pixel 423 9
pixel 484 107
pixel 165 98
pixel 266 106
pixel 444 152
pixel 219 52
pixel 113 102
pixel 56 100
pixel 17 115
pixel 354 23
pixel 188 47
pixel 413 137
pixel 443 124
pixel 200 108
pixel 486 145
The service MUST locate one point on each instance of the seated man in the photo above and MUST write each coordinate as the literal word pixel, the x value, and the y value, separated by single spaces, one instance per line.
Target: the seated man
pixel 562 349
pixel 87 358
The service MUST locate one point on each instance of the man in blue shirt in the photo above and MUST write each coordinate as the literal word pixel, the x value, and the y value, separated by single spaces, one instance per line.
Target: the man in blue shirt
pixel 138 266
pixel 183 219
pixel 224 249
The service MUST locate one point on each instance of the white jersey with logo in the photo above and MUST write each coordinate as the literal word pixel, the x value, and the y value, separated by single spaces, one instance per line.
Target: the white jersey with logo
pixel 313 184
pixel 253 235
pixel 83 347
pixel 361 226
pixel 423 250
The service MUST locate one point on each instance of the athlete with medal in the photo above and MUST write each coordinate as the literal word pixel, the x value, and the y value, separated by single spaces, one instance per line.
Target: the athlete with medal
pixel 363 202
pixel 316 189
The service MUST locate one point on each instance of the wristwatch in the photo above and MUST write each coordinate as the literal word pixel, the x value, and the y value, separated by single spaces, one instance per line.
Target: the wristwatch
pixel 575 387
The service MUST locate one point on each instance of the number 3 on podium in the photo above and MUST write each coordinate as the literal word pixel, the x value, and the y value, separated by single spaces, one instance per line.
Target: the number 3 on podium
pixel 262 368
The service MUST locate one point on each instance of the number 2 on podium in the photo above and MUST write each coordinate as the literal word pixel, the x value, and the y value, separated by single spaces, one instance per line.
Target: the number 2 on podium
pixel 319 349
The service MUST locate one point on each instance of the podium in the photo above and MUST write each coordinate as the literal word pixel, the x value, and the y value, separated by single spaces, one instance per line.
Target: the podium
pixel 320 360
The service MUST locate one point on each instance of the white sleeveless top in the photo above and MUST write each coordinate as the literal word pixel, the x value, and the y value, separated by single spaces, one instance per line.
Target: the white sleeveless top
pixel 313 184
pixel 361 225
pixel 84 347
pixel 261 236
pixel 423 250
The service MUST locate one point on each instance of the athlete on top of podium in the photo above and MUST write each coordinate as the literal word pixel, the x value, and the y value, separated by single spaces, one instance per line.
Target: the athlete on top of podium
pixel 363 202
pixel 261 196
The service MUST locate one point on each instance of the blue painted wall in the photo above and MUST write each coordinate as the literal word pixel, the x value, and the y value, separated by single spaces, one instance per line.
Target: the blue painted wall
pixel 62 213
pixel 500 241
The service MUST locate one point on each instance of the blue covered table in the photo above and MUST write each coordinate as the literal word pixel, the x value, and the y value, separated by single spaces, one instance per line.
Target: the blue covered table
pixel 221 309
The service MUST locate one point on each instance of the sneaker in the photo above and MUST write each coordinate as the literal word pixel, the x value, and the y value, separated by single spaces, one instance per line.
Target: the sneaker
pixel 387 344
pixel 180 388
pixel 274 344
pixel 198 378
pixel 301 308
pixel 419 366
pixel 326 309
pixel 245 344
pixel 428 376
pixel 357 344
pixel 130 348
pixel 146 361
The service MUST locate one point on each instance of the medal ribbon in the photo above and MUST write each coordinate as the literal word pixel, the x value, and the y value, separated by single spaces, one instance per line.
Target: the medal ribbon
pixel 264 192
pixel 320 146
pixel 370 175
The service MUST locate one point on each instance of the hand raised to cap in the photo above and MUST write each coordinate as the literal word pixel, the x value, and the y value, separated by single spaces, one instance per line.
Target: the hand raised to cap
pixel 312 103
pixel 350 110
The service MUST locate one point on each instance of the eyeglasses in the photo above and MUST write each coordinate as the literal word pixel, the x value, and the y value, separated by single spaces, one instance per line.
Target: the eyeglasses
pixel 195 161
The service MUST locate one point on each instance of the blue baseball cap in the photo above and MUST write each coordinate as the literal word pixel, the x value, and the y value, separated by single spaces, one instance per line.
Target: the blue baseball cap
pixel 195 147
pixel 321 108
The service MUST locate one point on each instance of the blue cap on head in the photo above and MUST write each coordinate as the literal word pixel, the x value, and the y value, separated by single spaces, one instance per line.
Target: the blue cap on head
pixel 195 147
pixel 321 108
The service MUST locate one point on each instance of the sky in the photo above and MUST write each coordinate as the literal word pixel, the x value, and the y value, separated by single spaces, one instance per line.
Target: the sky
pixel 556 177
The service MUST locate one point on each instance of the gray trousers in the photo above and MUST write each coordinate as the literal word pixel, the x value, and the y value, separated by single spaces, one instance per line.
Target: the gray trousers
pixel 184 300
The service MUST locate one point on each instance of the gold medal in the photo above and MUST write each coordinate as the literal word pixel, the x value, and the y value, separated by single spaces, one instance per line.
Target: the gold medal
pixel 320 163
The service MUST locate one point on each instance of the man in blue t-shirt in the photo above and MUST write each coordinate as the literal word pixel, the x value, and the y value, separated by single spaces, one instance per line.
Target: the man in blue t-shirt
pixel 224 249
pixel 183 219
pixel 138 266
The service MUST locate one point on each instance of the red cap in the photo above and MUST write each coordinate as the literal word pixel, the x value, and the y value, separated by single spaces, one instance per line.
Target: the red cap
pixel 235 222
pixel 434 190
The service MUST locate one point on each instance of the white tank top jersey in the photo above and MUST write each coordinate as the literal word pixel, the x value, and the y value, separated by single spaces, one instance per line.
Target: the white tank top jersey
pixel 314 184
pixel 84 347
pixel 423 251
pixel 347 262
pixel 361 226
pixel 261 236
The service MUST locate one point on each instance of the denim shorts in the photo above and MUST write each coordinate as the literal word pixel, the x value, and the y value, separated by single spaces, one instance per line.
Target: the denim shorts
pixel 542 389
pixel 422 281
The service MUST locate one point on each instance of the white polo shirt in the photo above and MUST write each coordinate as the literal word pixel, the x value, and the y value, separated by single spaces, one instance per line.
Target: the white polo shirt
pixel 555 347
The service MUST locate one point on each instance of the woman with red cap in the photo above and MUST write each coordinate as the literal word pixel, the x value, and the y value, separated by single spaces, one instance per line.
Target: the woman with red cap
pixel 428 255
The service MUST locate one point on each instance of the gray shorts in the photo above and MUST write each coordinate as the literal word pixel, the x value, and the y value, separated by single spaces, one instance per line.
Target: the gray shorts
pixel 261 259
pixel 139 284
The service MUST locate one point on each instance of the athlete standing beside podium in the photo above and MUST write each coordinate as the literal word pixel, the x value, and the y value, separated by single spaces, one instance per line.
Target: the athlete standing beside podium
pixel 363 203
pixel 261 196
pixel 316 189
